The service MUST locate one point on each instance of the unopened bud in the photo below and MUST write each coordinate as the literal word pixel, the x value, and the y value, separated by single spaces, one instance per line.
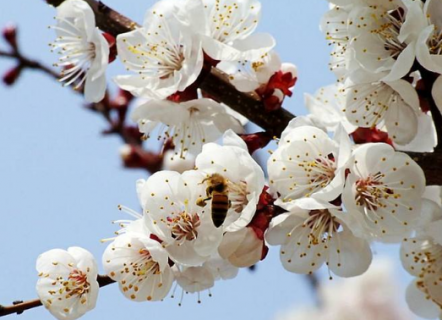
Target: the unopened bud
pixel 272 103
pixel 11 76
pixel 10 35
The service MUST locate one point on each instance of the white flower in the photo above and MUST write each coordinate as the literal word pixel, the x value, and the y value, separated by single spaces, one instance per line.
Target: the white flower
pixel 328 106
pixel 227 26
pixel 195 280
pixel 140 266
pixel 248 76
pixel 422 257
pixel 393 104
pixel 308 164
pixel 426 136
pixel 310 238
pixel 244 178
pixel 165 54
pixel 84 50
pixel 428 48
pixel 242 248
pixel 171 212
pixel 189 124
pixel 68 285
pixel 201 278
pixel 221 268
pixel 383 37
pixel 383 193
pixel 334 25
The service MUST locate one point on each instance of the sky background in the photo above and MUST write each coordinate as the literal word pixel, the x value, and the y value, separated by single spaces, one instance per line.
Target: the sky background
pixel 61 180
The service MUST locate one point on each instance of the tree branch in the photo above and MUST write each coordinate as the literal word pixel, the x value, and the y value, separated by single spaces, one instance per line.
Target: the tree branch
pixel 106 18
pixel 28 63
pixel 217 86
pixel 19 307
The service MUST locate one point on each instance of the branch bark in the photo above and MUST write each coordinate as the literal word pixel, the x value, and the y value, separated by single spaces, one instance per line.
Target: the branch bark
pixel 106 18
pixel 28 63
pixel 19 307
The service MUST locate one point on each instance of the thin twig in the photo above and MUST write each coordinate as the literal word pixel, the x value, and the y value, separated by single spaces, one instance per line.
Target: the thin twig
pixel 28 63
pixel 20 307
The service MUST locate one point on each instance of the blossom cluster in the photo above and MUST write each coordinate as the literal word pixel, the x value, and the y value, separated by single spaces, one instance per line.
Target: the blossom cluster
pixel 326 200
pixel 383 53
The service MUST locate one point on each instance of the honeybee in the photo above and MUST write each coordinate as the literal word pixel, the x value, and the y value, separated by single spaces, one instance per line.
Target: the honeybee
pixel 217 191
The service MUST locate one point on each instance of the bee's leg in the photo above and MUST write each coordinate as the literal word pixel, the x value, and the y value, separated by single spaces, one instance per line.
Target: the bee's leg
pixel 230 204
pixel 202 202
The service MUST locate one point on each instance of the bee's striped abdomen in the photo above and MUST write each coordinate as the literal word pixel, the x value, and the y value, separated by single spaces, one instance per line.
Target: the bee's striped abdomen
pixel 220 206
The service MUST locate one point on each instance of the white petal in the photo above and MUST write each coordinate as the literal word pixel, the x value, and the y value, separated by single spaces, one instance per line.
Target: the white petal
pixel 437 92
pixel 349 256
pixel 419 304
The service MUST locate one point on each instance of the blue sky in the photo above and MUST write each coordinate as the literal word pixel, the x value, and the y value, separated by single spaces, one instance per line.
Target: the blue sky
pixel 61 180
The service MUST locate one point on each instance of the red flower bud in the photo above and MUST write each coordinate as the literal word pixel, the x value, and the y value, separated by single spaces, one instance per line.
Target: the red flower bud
pixel 10 35
pixel 11 76
pixel 283 81
pixel 272 103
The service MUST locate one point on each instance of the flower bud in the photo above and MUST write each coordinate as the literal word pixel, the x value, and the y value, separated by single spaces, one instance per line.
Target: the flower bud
pixel 10 35
pixel 290 68
pixel 273 101
pixel 11 76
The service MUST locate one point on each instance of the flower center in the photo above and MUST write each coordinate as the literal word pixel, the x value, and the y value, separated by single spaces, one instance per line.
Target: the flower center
pixel 158 58
pixel 76 53
pixel 146 266
pixel 435 42
pixel 430 258
pixel 76 285
pixel 184 226
pixel 238 195
pixel 389 31
pixel 322 225
pixel 371 192
pixel 319 172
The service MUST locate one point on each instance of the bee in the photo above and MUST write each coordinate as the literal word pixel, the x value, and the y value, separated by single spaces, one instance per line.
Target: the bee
pixel 217 191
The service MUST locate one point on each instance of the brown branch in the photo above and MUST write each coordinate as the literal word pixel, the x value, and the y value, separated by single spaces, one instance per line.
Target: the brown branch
pixel 218 87
pixel 28 63
pixel 107 19
pixel 19 307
